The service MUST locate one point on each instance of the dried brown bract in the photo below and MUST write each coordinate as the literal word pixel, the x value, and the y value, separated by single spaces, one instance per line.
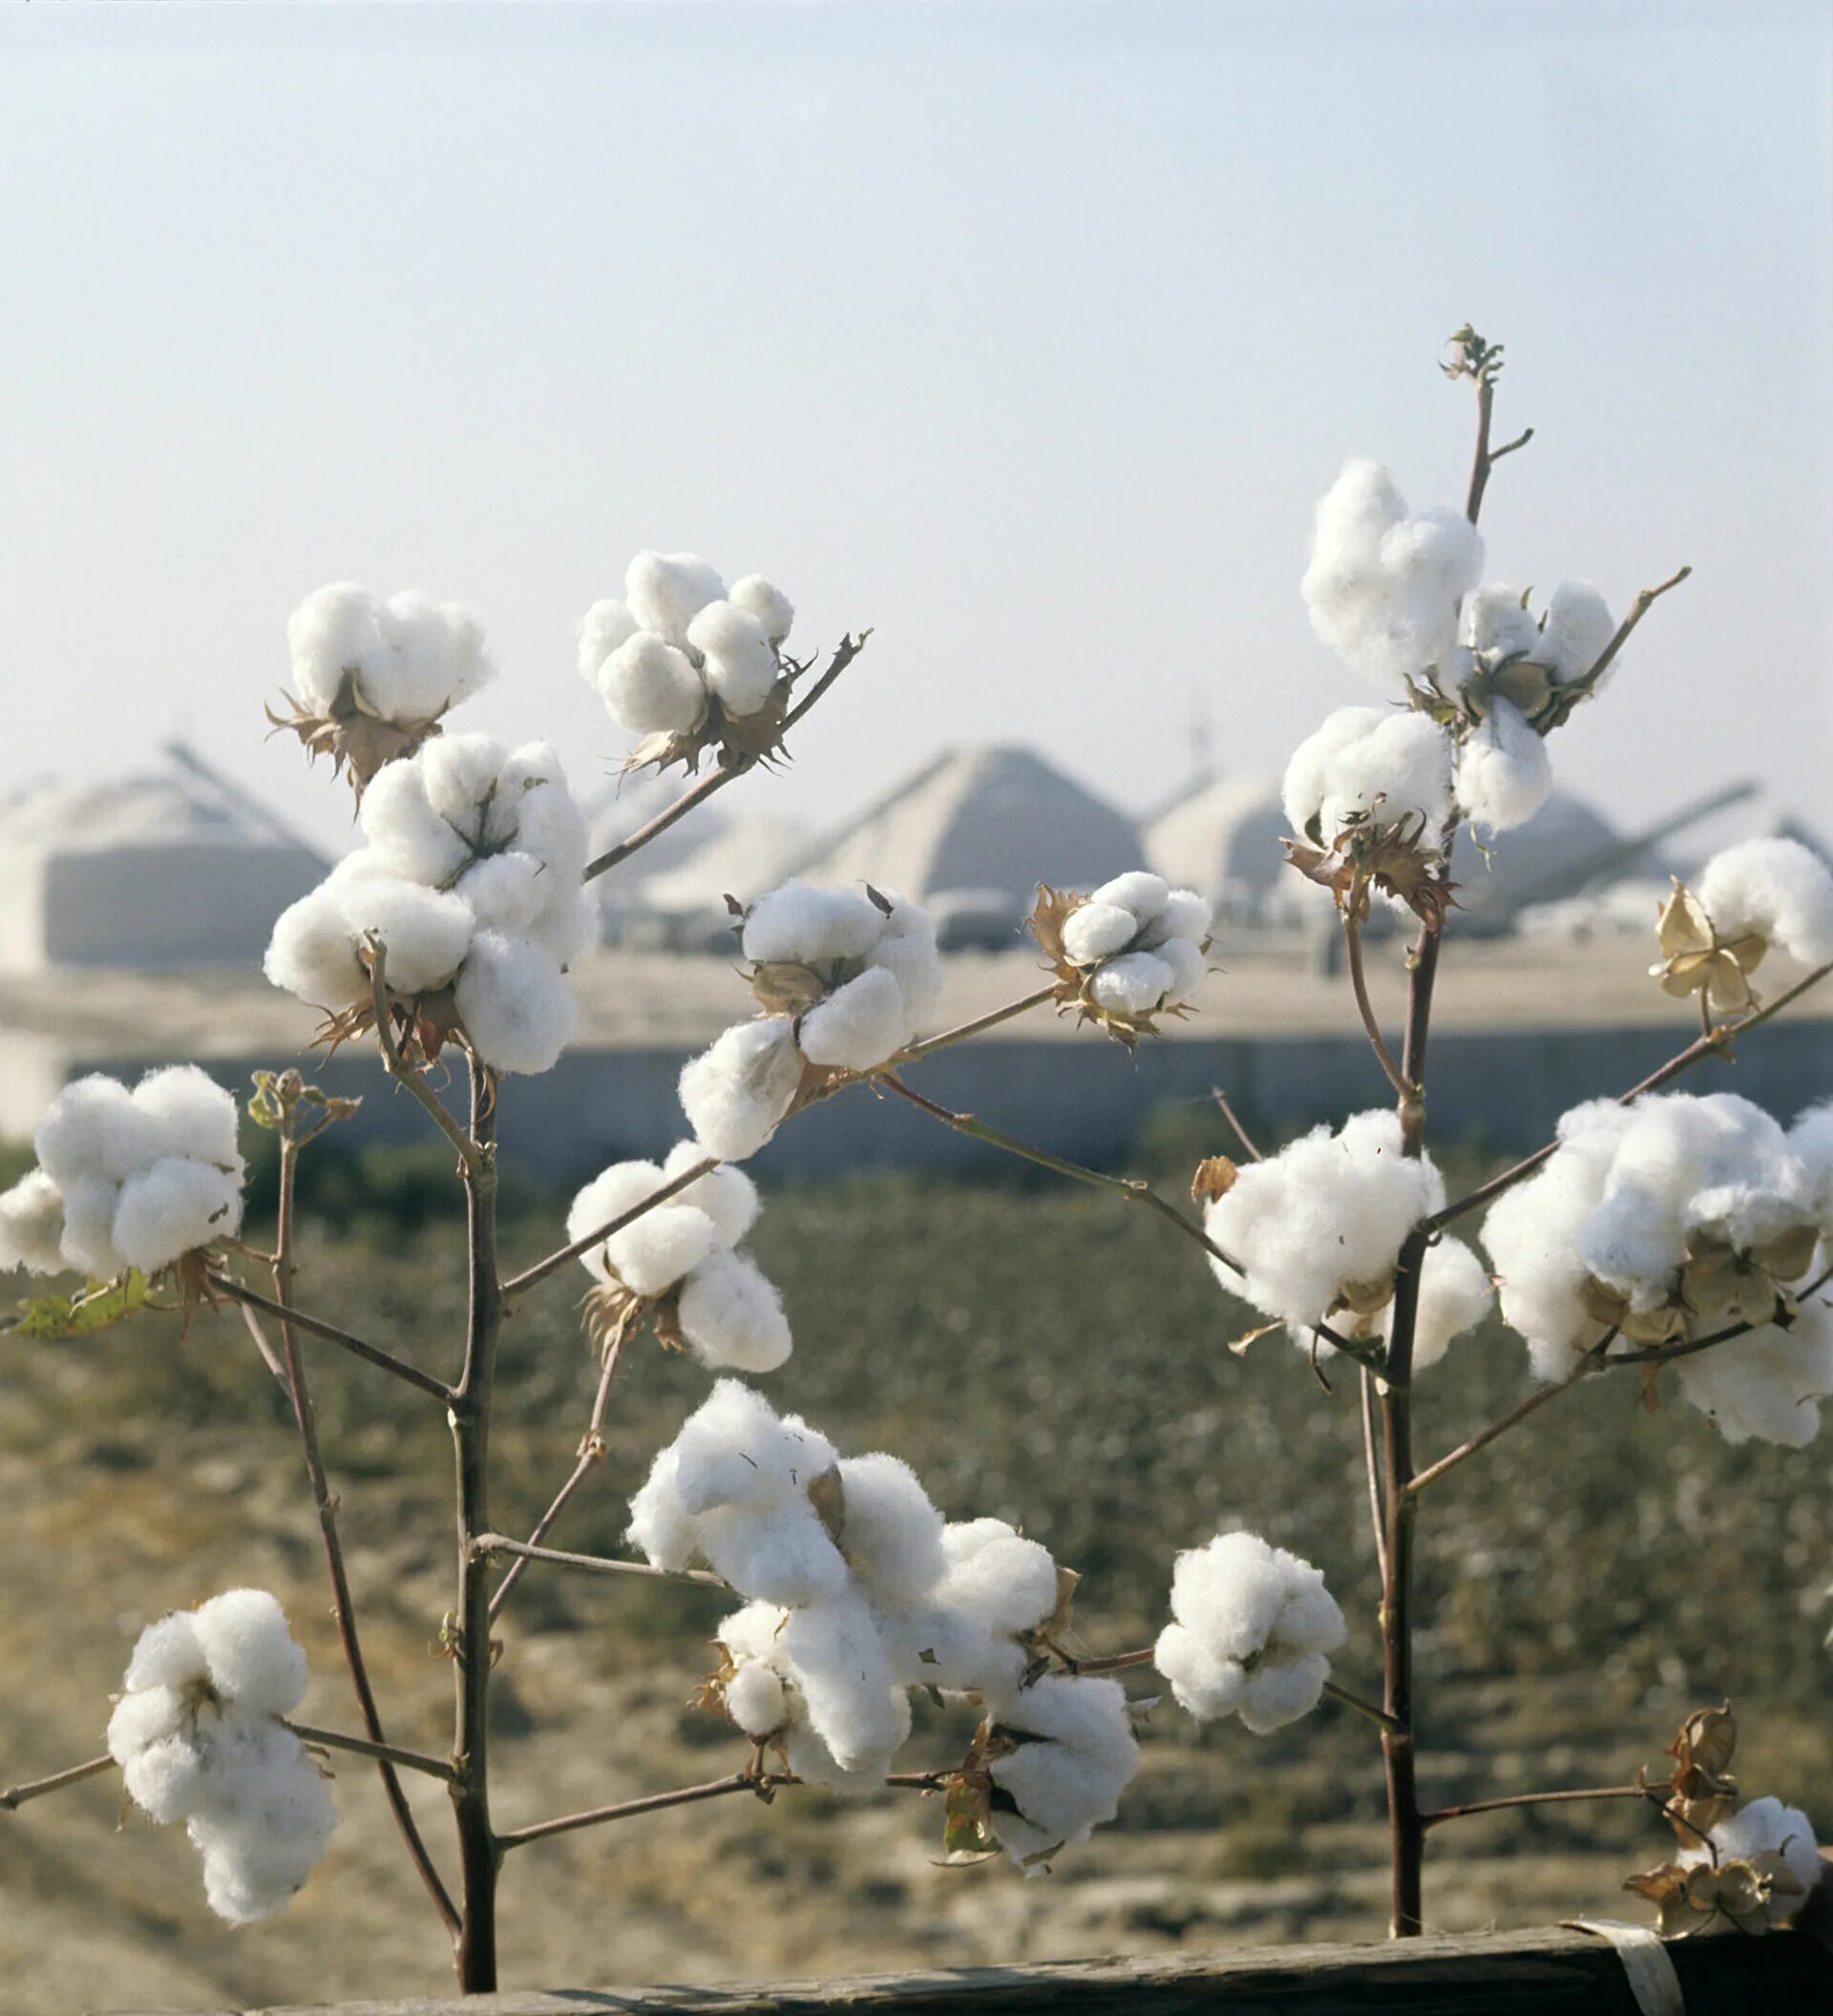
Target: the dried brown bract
pixel 1695 959
pixel 358 739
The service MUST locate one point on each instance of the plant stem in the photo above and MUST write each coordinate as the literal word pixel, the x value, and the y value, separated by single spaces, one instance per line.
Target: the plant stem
pixel 316 1326
pixel 1643 603
pixel 1592 1361
pixel 342 1608
pixel 485 1544
pixel 361 1747
pixel 1371 1458
pixel 1350 1699
pixel 1241 1134
pixel 913 1052
pixel 517 1284
pixel 474 1949
pixel 1539 1798
pixel 16 1795
pixel 1358 987
pixel 400 1070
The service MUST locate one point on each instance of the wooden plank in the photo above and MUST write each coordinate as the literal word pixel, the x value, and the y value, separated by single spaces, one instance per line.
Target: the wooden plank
pixel 1508 1974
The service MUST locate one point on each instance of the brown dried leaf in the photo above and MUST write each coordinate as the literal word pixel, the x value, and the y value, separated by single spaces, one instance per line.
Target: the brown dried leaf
pixel 1216 1177
pixel 828 1495
pixel 785 987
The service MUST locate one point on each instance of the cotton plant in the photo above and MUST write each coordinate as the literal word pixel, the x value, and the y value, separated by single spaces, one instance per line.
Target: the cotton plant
pixel 842 979
pixel 375 680
pixel 1125 954
pixel 1758 894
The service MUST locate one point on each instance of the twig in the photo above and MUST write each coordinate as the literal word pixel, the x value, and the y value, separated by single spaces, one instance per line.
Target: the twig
pixel 316 1326
pixel 1377 1513
pixel 1234 1120
pixel 264 1345
pixel 1643 603
pixel 1114 1662
pixel 384 1752
pixel 1661 1353
pixel 488 1543
pixel 730 767
pixel 1359 986
pixel 1361 1707
pixel 1539 1798
pixel 912 1052
pixel 16 1795
pixel 1712 1042
pixel 400 1070
pixel 1592 1361
pixel 518 1284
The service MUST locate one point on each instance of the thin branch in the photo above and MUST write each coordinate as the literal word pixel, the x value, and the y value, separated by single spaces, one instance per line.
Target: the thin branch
pixel 16 1795
pixel 1592 1361
pixel 382 1752
pixel 1377 1512
pixel 539 1272
pixel 1365 1008
pixel 1234 1120
pixel 1661 1353
pixel 1540 1798
pixel 1643 603
pixel 404 1073
pixel 912 1052
pixel 1480 458
pixel 316 1326
pixel 1376 1715
pixel 1713 1042
pixel 595 1564
pixel 730 767
pixel 1113 1662
pixel 264 1345
pixel 1509 448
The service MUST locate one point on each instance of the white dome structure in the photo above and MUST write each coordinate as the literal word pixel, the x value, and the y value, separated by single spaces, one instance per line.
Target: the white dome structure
pixel 1223 840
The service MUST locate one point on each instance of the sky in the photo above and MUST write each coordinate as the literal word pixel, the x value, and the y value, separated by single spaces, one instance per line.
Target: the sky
pixel 1026 335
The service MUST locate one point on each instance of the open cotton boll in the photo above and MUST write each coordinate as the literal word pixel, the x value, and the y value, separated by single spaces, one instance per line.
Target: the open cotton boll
pixel 658 1524
pixel 515 1003
pixel 458 776
pixel 1455 1294
pixel 1280 1690
pixel 432 656
pixel 996 1576
pixel 1504 773
pixel 610 1193
pixel 1765 1827
pixel 906 949
pixel 740 660
pixel 1202 1684
pixel 1323 1217
pixel 1379 766
pixel 780 1552
pixel 1188 969
pixel 1134 984
pixel 859 1025
pixel 726 1195
pixel 1777 888
pixel 754 1699
pixel 1767 1386
pixel 333 631
pixel 666 591
pixel 766 601
pixel 249 1652
pixel 1231 1592
pixel 311 953
pixel 801 924
pixel 406 834
pixel 662 1246
pixel 167 1654
pixel 172 1209
pixel 839 1666
pixel 1810 1141
pixel 735 1450
pixel 1098 931
pixel 1068 1781
pixel 732 1317
pixel 651 687
pixel 93 1128
pixel 194 1116
pixel 260 1847
pixel 891 1534
pixel 532 811
pixel 1497 626
pixel 735 1093
pixel 88 1245
pixel 32 1224
pixel 1382 586
pixel 603 628
pixel 1138 891
pixel 1577 631
pixel 425 932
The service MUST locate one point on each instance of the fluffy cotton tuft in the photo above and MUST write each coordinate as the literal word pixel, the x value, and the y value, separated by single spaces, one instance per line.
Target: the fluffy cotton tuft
pixel 1504 773
pixel 32 1224
pixel 767 603
pixel 1320 1226
pixel 1776 888
pixel 1140 944
pixel 410 658
pixel 199 1738
pixel 1067 1778
pixel 666 591
pixel 739 662
pixel 1455 1294
pixel 731 1315
pixel 1369 765
pixel 735 1093
pixel 1765 1827
pixel 1383 585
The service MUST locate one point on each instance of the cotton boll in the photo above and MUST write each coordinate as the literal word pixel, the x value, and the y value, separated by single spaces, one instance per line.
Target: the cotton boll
pixel 1765 1827
pixel 1577 631
pixel 173 1208
pixel 1098 931
pixel 1369 764
pixel 906 949
pixel 568 927
pixel 1281 1690
pixel 515 1003
pixel 608 1196
pixel 1777 888
pixel 1068 1783
pixel 89 1227
pixel 740 662
pixel 996 1576
pixel 1498 627
pixel 506 891
pixel 432 656
pixel 659 1526
pixel 767 603
pixel 1202 1684
pixel 333 631
pixel 732 1317
pixel 167 1781
pixel 406 834
pixel 32 1224
pixel 1138 891
pixel 839 1664
pixel 167 1654
pixel 735 1093
pixel 1504 773
pixel 891 1534
pixel 726 1195
pixel 249 1651
pixel 1307 778
pixel 798 923
pixel 459 776
pixel 782 1554
pixel 1134 984
pixel 666 592
pixel 1230 1593
pixel 1188 970
pixel 93 1128
pixel 1455 1294
pixel 425 932
pixel 312 954
pixel 1252 1627
pixel 194 1114
pixel 860 1025
pixel 735 1450
pixel 651 687
pixel 1767 1386
pixel 754 1700
pixel 603 628
pixel 663 1245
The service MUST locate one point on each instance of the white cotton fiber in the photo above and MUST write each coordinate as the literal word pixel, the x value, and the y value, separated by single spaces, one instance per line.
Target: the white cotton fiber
pixel 1577 629
pixel 1455 1294
pixel 1132 985
pixel 174 1206
pixel 651 686
pixel 906 949
pixel 1370 765
pixel 735 1093
pixel 1777 888
pixel 333 631
pixel 766 601
pixel 194 1116
pixel 603 628
pixel 732 1317
pixel 741 663
pixel 858 1026
pixel 1068 1780
pixel 311 953
pixel 660 1247
pixel 515 1003
pixel 726 1195
pixel 404 833
pixel 425 932
pixel 834 1649
pixel 1142 895
pixel 1766 1827
pixel 249 1652
pixel 666 591
pixel 1504 773
pixel 90 1204
pixel 1188 966
pixel 32 1224
pixel 891 1534
pixel 734 1449
pixel 996 1576
pixel 1810 1141
pixel 532 811
pixel 457 777
pixel 780 1552
pixel 508 892
pixel 1098 931
pixel 412 657
pixel 168 1653
pixel 608 1196
pixel 1326 1214
pixel 1186 915
pixel 800 924
pixel 1497 626
pixel 1767 1386
pixel 754 1699
pixel 1383 585
pixel 93 1128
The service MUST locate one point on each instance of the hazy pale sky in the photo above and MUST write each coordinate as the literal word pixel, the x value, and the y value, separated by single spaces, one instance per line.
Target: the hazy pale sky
pixel 1026 334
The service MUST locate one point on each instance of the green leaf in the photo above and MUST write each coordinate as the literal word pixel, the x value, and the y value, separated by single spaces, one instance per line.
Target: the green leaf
pixel 99 1305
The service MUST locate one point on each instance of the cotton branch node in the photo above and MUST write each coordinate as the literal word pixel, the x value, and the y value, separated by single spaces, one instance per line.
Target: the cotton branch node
pixel 675 1266
pixel 199 1739
pixel 375 679
pixel 1125 954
